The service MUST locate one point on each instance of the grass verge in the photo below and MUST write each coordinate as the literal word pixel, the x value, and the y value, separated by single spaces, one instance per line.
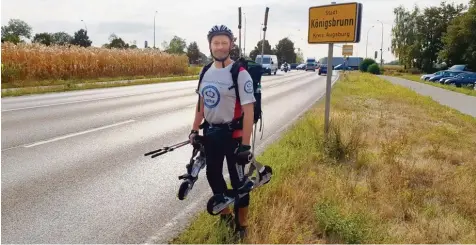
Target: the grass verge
pixel 463 90
pixel 71 86
pixel 19 88
pixel 397 168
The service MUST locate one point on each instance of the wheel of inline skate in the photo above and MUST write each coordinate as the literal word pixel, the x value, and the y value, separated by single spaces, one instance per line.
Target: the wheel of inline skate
pixel 214 201
pixel 183 190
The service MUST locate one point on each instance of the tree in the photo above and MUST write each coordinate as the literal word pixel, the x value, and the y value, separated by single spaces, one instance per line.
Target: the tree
pixel 299 57
pixel 235 51
pixel 116 42
pixel 285 51
pixel 61 38
pixel 417 34
pixel 404 35
pixel 204 59
pixel 257 49
pixel 459 40
pixel 193 53
pixel 43 38
pixel 14 30
pixel 176 46
pixel 81 38
pixel 133 45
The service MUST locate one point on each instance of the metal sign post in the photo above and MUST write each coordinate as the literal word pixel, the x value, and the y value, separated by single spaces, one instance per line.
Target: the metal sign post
pixel 334 23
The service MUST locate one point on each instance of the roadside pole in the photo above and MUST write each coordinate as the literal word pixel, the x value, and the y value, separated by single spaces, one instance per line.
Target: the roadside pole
pixel 265 25
pixel 329 24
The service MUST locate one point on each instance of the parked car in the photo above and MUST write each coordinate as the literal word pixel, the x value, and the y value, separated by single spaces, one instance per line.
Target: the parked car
pixel 463 67
pixel 467 78
pixel 427 77
pixel 444 75
pixel 443 80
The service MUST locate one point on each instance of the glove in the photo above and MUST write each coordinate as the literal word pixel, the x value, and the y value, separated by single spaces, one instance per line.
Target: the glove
pixel 243 154
pixel 192 136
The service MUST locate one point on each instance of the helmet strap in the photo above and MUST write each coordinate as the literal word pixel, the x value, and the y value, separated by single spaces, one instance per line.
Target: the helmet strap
pixel 222 60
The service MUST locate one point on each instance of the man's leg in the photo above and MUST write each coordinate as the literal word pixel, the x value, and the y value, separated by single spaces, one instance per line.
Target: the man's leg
pixel 237 177
pixel 215 154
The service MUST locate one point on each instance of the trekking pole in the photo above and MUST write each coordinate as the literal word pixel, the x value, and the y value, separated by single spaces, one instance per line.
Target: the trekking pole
pixel 166 149
pixel 239 28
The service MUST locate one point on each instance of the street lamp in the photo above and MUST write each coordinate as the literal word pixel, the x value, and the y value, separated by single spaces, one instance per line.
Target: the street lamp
pixel 381 46
pixel 85 25
pixel 366 46
pixel 154 27
pixel 244 38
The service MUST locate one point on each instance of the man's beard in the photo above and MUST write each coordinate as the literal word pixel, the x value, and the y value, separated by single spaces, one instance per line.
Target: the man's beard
pixel 220 55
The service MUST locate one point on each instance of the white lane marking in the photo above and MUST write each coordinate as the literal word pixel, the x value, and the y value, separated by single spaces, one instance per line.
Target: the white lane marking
pixel 167 228
pixel 104 98
pixel 76 134
pixel 88 100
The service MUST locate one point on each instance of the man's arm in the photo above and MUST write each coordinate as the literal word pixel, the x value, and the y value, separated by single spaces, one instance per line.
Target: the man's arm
pixel 248 110
pixel 198 115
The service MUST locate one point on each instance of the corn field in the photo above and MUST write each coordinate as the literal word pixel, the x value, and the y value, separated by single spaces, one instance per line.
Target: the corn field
pixel 36 62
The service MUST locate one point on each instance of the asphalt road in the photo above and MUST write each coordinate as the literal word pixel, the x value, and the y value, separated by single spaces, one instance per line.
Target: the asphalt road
pixel 73 165
pixel 464 103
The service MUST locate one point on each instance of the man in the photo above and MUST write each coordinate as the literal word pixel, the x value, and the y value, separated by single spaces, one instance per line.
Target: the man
pixel 221 109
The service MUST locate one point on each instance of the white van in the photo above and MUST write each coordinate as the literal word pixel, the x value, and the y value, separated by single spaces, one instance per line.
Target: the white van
pixel 270 63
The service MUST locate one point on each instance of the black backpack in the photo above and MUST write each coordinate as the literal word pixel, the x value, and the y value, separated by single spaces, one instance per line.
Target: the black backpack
pixel 255 70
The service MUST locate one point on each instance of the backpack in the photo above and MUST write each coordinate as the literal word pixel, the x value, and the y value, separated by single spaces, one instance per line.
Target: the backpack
pixel 255 70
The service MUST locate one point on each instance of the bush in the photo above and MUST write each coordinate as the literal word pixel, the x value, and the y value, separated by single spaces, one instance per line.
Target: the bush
pixel 374 69
pixel 366 63
pixel 413 71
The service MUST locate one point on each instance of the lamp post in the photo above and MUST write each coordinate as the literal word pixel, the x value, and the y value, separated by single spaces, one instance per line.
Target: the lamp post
pixel 367 45
pixel 381 46
pixel 244 38
pixel 85 25
pixel 154 27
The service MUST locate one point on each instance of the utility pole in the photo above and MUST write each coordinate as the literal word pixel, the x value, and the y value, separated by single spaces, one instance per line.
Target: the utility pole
pixel 381 47
pixel 86 28
pixel 244 38
pixel 154 27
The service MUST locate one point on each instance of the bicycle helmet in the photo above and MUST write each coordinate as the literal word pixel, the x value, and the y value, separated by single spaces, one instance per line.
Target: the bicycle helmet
pixel 220 30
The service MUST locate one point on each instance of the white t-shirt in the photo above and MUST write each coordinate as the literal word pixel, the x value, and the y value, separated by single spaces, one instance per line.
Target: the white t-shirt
pixel 220 102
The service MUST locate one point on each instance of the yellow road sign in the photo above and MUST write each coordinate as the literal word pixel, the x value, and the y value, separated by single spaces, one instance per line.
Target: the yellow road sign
pixel 336 23
pixel 347 50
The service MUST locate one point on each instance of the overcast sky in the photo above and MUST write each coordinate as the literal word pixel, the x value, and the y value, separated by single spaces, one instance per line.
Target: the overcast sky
pixel 134 20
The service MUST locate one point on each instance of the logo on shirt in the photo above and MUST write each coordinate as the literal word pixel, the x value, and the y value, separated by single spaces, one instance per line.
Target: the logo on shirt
pixel 211 96
pixel 249 87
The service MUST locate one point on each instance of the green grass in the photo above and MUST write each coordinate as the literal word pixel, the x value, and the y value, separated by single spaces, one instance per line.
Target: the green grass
pixel 463 90
pixel 397 168
pixel 72 85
